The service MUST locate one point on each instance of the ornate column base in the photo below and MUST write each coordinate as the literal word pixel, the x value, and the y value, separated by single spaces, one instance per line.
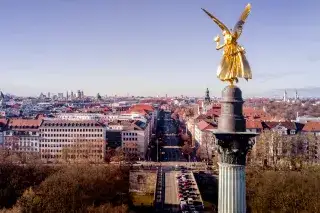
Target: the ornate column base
pixel 232 188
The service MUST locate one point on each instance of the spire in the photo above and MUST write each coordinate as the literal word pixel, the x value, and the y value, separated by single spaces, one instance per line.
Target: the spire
pixel 207 97
pixel 296 95
pixel 285 96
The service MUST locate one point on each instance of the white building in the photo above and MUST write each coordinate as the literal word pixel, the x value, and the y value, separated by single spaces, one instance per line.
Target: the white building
pixel 66 139
pixel 204 136
pixel 22 135
pixel 3 123
pixel 135 139
pixel 135 135
pixel 132 116
pixel 110 117
pixel 202 131
pixel 79 116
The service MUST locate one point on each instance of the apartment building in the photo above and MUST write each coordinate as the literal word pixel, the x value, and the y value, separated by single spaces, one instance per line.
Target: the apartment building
pixel 72 140
pixel 281 127
pixel 3 124
pixel 79 116
pixel 133 136
pixel 203 132
pixel 22 135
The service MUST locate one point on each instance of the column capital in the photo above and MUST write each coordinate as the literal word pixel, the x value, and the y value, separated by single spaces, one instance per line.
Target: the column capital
pixel 233 148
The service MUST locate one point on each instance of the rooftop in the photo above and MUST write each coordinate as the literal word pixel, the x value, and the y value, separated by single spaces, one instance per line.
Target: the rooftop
pixel 203 125
pixel 286 124
pixel 24 123
pixel 253 124
pixel 311 126
pixel 72 123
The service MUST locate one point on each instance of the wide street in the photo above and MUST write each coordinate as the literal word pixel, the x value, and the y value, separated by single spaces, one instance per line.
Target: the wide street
pixel 170 163
pixel 170 151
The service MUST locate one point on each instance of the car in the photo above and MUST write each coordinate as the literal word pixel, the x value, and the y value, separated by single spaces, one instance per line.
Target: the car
pixel 192 208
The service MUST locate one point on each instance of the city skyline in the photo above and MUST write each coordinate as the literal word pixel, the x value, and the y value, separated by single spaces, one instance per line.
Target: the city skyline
pixel 152 48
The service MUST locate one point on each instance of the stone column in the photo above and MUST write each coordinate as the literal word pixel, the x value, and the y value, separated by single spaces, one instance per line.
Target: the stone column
pixel 233 143
pixel 232 188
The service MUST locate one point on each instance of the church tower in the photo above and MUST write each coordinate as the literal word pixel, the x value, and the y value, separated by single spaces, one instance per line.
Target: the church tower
pixel 206 103
pixel 207 97
pixel 296 97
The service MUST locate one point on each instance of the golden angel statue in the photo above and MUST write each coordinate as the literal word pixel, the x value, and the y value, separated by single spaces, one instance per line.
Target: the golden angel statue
pixel 234 64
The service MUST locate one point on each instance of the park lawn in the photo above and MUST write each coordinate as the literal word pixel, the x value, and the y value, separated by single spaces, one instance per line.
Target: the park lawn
pixel 142 199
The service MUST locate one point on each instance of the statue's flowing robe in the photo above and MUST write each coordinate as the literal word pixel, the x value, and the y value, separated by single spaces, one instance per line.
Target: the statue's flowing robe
pixel 234 64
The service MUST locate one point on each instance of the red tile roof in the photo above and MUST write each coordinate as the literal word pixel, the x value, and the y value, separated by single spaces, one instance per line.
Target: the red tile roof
pixel 253 114
pixel 311 126
pixel 3 121
pixel 253 124
pixel 139 111
pixel 286 124
pixel 202 117
pixel 202 125
pixel 142 107
pixel 214 111
pixel 22 123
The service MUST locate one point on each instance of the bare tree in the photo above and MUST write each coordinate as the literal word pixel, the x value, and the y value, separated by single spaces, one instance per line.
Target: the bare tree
pixel 312 142
pixel 187 150
pixel 119 155
pixel 268 149
pixel 84 150
pixel 204 152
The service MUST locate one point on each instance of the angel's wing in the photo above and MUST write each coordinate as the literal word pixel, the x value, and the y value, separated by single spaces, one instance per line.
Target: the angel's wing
pixel 217 21
pixel 237 30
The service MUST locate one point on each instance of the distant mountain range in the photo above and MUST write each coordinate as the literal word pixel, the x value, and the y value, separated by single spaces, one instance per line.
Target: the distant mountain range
pixel 307 92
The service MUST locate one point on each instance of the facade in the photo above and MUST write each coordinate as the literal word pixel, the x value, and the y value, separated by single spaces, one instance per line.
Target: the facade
pixel 254 126
pixel 110 117
pixel 282 127
pixel 131 116
pixel 204 136
pixel 22 135
pixel 113 138
pixel 312 127
pixel 78 116
pixel 201 129
pixel 137 135
pixel 3 124
pixel 133 136
pixel 72 140
pixel 191 129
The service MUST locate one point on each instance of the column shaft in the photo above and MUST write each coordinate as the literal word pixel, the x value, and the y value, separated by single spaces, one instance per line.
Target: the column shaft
pixel 232 188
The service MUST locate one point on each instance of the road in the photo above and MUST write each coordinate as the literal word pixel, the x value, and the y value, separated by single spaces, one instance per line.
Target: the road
pixel 171 202
pixel 170 151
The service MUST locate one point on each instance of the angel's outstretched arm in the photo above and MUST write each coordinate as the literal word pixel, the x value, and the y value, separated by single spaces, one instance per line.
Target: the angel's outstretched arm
pixel 219 47
pixel 217 40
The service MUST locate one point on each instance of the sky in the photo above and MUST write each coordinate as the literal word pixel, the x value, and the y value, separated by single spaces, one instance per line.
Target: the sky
pixel 152 47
